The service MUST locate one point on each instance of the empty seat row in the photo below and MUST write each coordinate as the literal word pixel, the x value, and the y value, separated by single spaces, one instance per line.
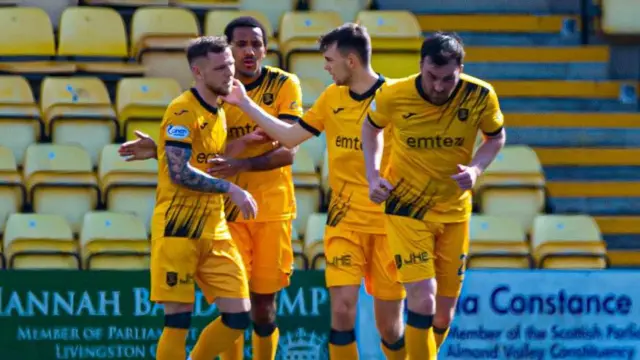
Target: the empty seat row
pixel 95 40
pixel 107 240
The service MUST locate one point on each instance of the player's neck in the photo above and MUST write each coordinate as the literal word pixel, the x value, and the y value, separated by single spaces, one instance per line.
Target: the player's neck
pixel 209 97
pixel 363 80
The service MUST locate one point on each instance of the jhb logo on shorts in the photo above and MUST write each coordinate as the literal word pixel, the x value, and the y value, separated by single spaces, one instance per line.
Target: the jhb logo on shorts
pixel 412 259
pixel 173 280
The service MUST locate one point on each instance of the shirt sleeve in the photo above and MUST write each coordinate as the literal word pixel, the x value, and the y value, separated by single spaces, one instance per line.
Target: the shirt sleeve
pixel 178 126
pixel 313 120
pixel 290 100
pixel 491 118
pixel 379 114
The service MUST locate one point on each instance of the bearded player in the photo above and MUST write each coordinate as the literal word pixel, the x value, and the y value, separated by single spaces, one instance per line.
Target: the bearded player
pixel 434 118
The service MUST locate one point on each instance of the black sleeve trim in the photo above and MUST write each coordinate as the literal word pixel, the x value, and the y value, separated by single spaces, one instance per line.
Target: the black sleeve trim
pixel 374 124
pixel 177 144
pixel 494 133
pixel 309 128
pixel 289 117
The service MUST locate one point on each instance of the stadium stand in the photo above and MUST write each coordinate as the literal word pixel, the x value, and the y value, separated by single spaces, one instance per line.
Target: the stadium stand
pixel 563 194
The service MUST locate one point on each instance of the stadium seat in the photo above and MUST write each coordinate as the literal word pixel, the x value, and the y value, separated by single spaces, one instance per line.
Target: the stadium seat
pixel 396 40
pixel 141 103
pixel 324 175
pixel 59 179
pixel 28 44
pixel 159 38
pixel 348 9
pixel 12 193
pixel 38 241
pixel 315 254
pixel 299 32
pixel 272 9
pixel 116 241
pixel 216 21
pixel 206 4
pixel 300 261
pixel 624 258
pixel 568 242
pixel 620 17
pixel 95 39
pixel 162 29
pixel 307 188
pixel 78 110
pixel 315 225
pixel 513 185
pixel 497 243
pixel 20 123
pixel 311 90
pixel 128 187
pixel 127 3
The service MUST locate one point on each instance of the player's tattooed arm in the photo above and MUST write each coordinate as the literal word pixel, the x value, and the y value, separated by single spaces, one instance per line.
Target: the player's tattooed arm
pixel 182 173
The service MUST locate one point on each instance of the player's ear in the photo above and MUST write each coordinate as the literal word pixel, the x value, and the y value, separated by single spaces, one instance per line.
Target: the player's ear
pixel 461 68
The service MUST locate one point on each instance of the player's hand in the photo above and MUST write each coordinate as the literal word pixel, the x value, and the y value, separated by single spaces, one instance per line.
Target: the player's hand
pixel 466 177
pixel 257 137
pixel 244 201
pixel 379 190
pixel 142 148
pixel 223 167
pixel 238 94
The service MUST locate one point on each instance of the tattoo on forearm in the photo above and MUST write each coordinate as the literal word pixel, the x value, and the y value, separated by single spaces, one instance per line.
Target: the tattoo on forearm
pixel 182 173
pixel 273 159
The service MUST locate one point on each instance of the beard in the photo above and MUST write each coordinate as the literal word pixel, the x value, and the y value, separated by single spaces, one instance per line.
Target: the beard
pixel 219 90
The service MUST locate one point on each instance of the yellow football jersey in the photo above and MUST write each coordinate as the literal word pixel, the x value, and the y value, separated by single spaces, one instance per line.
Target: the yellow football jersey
pixel 340 113
pixel 429 142
pixel 279 94
pixel 190 122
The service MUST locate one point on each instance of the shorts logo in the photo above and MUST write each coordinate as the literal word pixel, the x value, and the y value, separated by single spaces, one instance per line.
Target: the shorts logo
pixel 267 99
pixel 340 261
pixel 411 259
pixel 398 259
pixel 177 132
pixel 172 278
pixel 463 114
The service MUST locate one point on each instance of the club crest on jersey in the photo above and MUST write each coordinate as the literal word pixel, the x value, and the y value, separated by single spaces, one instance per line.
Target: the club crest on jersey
pixel 463 114
pixel 267 99
pixel 177 132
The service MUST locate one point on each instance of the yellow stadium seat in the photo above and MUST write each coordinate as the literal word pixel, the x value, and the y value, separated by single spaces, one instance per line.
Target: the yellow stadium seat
pixel 12 192
pixel 315 147
pixel 307 188
pixel 561 88
pixel 53 8
pixel 348 9
pixel 206 4
pixel 38 241
pixel 300 261
pixel 624 258
pixel 311 90
pixel 95 39
pixel 494 23
pixel 513 186
pixel 272 9
pixel 315 254
pixel 159 38
pixel 217 20
pixel 127 3
pixel 299 32
pixel 568 242
pixel 316 223
pixel 620 17
pixel 28 45
pixel 141 103
pixel 497 242
pixel 78 110
pixel 20 125
pixel 128 186
pixel 156 29
pixel 59 180
pixel 111 240
pixel 396 40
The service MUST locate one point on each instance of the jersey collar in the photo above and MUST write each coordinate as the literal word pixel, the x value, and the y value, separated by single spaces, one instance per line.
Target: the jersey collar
pixel 204 104
pixel 424 96
pixel 257 82
pixel 369 93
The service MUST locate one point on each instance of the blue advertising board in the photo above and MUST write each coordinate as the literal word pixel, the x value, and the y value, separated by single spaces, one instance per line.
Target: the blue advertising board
pixel 541 314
